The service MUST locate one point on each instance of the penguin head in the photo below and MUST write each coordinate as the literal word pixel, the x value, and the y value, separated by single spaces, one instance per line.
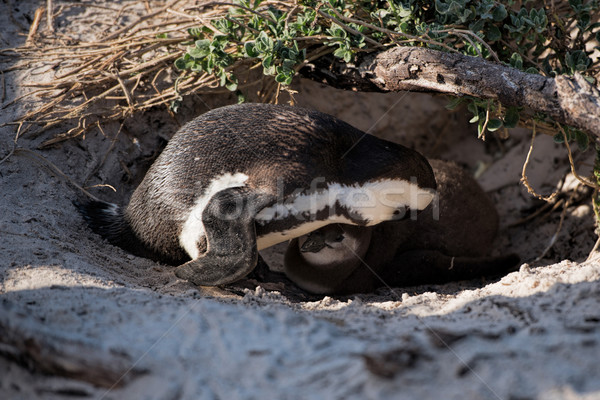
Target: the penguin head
pixel 320 239
pixel 401 179
pixel 388 160
pixel 319 262
pixel 335 244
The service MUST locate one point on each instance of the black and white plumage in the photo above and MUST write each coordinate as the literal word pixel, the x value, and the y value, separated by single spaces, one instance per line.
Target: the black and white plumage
pixel 241 178
pixel 448 242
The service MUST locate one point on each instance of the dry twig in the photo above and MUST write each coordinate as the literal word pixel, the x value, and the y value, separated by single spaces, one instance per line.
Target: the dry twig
pixel 50 15
pixel 524 179
pixel 580 178
pixel 37 17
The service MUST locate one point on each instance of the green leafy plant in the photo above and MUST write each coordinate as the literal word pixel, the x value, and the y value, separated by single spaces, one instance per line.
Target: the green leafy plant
pixel 209 55
pixel 574 135
pixel 528 35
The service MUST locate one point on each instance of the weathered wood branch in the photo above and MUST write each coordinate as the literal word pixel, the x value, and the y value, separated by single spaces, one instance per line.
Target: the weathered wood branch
pixel 25 340
pixel 569 100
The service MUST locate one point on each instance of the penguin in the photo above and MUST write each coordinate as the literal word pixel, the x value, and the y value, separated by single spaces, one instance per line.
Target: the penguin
pixel 449 241
pixel 241 178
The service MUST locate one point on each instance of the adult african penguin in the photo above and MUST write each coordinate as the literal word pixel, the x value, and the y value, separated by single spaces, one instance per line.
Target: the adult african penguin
pixel 241 178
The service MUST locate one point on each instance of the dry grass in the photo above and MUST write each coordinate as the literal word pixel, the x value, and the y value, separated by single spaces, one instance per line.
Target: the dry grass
pixel 115 75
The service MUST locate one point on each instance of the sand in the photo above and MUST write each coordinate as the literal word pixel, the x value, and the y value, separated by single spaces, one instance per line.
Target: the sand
pixel 139 332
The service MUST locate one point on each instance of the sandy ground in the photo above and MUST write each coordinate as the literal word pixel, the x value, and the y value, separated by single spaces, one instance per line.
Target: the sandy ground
pixel 533 334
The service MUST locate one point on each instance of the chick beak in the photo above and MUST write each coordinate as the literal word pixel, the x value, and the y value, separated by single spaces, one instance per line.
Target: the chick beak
pixel 315 242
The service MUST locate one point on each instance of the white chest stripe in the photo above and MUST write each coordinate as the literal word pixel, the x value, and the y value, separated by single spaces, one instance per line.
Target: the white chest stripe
pixel 193 228
pixel 374 201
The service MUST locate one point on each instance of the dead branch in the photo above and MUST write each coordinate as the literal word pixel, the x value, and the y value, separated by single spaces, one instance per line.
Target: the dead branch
pixel 49 15
pixel 569 100
pixel 35 25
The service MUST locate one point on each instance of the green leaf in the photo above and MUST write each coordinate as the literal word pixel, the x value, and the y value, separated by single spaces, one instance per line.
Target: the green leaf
pixel 175 104
pixel 263 42
pixel 231 84
pixel 477 25
pixel 210 63
pixel 493 33
pixel 180 63
pixel 455 102
pixel 222 75
pixel 340 52
pixel 582 140
pixel 558 138
pixel 197 67
pixel 197 53
pixel 474 119
pixel 268 67
pixel 337 31
pixel 195 32
pixel 516 61
pixel 404 27
pixel 250 50
pixel 201 50
pixel 499 13
pixel 348 56
pixel 281 77
pixel 185 62
pixel 511 118
pixel 267 62
pixel 241 98
pixel 494 124
pixel 442 8
pixel 472 107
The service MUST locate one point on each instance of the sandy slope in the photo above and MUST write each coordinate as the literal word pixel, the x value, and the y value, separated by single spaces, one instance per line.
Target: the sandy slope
pixel 533 334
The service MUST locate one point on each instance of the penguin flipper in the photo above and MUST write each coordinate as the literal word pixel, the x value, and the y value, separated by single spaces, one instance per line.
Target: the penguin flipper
pixel 418 267
pixel 231 254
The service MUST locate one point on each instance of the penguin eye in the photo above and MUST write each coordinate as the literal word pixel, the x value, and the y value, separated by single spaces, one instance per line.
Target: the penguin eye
pixel 339 238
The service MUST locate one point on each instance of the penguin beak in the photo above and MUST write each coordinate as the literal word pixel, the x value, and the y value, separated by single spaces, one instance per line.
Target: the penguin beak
pixel 315 242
